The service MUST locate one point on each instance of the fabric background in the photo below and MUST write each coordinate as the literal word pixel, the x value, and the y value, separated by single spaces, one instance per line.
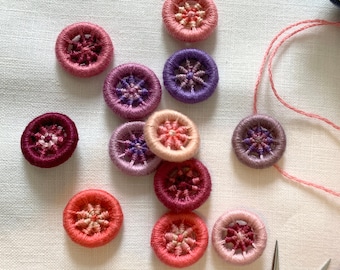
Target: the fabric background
pixel 306 72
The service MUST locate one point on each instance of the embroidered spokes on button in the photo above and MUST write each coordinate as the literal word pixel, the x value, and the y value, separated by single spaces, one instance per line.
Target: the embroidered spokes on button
pixel 182 186
pixel 92 218
pixel 239 237
pixel 190 21
pixel 49 140
pixel 132 91
pixel 179 240
pixel 259 141
pixel 190 75
pixel 171 135
pixel 84 49
pixel 129 152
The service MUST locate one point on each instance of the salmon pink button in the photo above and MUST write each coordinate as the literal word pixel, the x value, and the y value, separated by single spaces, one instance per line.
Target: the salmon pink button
pixel 92 218
pixel 171 135
pixel 182 186
pixel 179 240
pixel 84 49
pixel 49 140
pixel 190 21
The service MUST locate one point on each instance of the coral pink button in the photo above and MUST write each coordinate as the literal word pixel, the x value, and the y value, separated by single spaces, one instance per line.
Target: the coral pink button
pixel 84 49
pixel 179 240
pixel 92 218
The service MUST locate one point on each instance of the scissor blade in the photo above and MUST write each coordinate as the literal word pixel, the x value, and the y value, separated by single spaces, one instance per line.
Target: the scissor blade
pixel 275 264
pixel 325 267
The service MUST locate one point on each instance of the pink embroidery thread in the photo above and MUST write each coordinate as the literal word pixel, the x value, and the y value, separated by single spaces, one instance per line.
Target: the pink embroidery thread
pixel 268 59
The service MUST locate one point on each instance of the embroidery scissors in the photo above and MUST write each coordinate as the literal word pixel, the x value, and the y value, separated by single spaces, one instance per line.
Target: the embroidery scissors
pixel 275 263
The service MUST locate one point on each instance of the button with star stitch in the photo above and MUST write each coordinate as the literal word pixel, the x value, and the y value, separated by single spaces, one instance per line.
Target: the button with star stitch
pixel 92 218
pixel 190 21
pixel 132 91
pixel 182 186
pixel 129 152
pixel 259 141
pixel 239 237
pixel 179 240
pixel 49 140
pixel 171 135
pixel 84 49
pixel 190 75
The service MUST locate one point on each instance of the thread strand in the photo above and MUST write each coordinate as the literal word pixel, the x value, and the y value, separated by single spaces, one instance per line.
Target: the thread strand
pixel 268 61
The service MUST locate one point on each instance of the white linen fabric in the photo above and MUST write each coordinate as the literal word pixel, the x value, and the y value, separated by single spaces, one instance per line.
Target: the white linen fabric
pixel 304 221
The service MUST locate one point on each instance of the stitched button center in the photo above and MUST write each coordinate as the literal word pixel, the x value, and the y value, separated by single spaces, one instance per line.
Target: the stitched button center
pixel 49 139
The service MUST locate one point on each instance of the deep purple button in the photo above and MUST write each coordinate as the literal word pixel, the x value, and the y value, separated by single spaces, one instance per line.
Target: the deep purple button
pixel 190 75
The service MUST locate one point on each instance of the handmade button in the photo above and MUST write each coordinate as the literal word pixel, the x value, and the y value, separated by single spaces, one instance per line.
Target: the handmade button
pixel 182 186
pixel 129 152
pixel 132 91
pixel 171 135
pixel 84 49
pixel 179 240
pixel 190 21
pixel 239 237
pixel 190 75
pixel 49 140
pixel 92 218
pixel 259 141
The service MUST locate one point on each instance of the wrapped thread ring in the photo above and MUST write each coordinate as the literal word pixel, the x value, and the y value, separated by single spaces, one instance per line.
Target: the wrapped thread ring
pixel 239 237
pixel 49 140
pixel 182 186
pixel 171 135
pixel 129 152
pixel 179 240
pixel 132 91
pixel 92 218
pixel 84 49
pixel 190 21
pixel 190 75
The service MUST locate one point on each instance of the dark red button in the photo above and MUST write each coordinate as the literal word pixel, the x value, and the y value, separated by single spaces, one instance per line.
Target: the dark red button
pixel 182 186
pixel 49 140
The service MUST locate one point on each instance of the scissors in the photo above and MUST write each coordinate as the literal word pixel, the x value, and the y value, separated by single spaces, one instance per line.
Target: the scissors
pixel 275 264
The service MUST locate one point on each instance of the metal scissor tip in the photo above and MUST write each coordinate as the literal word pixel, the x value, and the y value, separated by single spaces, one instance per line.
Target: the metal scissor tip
pixel 325 267
pixel 275 264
